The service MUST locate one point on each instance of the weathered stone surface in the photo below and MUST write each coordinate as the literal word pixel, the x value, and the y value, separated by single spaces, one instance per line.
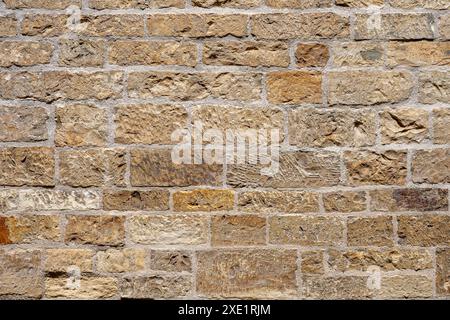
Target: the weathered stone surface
pixel 170 261
pixel 124 260
pixel 227 3
pixel 48 200
pixel 385 259
pixel 194 86
pixel 90 288
pixel 169 229
pixel 441 123
pixel 136 200
pixel 112 25
pixel 31 229
pixel 417 54
pixel 20 273
pixel 88 168
pixel 294 87
pixel 23 124
pixel 443 272
pixel 312 262
pixel 343 287
pixel 203 200
pixel 239 118
pixel 44 25
pixel 434 87
pixel 406 287
pixel 422 199
pixel 296 4
pixel 370 167
pixel 153 53
pixel 444 26
pixel 306 230
pixel 368 87
pixel 370 231
pixel 307 26
pixel 8 26
pixel 134 4
pixel 431 166
pixel 424 230
pixel 426 4
pixel 155 168
pixel 345 201
pixel 246 53
pixel 394 26
pixel 24 54
pixel 97 230
pixel 404 125
pixel 63 260
pixel 41 4
pixel 80 125
pixel 297 170
pixel 51 86
pixel 359 3
pixel 253 273
pixel 156 286
pixel 332 128
pixel 312 55
pixel 148 124
pixel 228 230
pixel 82 53
pixel 197 25
pixel 33 166
pixel 4 232
pixel 278 201
pixel 358 54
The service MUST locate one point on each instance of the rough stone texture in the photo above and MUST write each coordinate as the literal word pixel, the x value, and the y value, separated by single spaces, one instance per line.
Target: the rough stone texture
pixel 349 201
pixel 278 201
pixel 333 128
pixel 97 230
pixel 385 259
pixel 23 124
pixel 344 201
pixel 434 87
pixel 174 229
pixel 33 166
pixel 148 124
pixel 441 123
pixel 80 125
pixel 294 87
pixel 394 26
pixel 404 125
pixel 194 86
pixel 431 166
pixel 373 231
pixel 368 167
pixel 248 53
pixel 369 87
pixel 425 230
pixel 238 230
pixel 135 200
pixel 423 199
pixel 203 200
pixel 257 273
pixel 306 231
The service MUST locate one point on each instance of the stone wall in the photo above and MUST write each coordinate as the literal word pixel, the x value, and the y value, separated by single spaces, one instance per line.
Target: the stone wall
pixel 91 205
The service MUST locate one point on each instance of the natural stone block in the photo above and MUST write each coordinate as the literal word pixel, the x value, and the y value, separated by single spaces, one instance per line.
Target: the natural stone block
pixel 96 230
pixel 294 87
pixel 134 4
pixel 444 26
pixel 123 25
pixel 238 230
pixel 342 287
pixel 434 87
pixel 295 4
pixel 359 3
pixel 278 201
pixel 406 287
pixel 90 288
pixel 41 4
pixel 431 166
pixel 45 25
pixel 31 166
pixel 404 125
pixel 441 123
pixel 32 229
pixel 418 54
pixel 370 231
pixel 358 54
pixel 24 53
pixel 23 124
pixel 124 260
pixel 156 286
pixel 424 230
pixel 443 271
pixel 171 261
pixel 82 53
pixel 203 200
pixel 136 200
pixel 244 4
pixel 425 4
pixel 312 262
pixel 8 26
pixel 169 229
pixel 306 230
pixel 63 260
pixel 257 273
pixel 345 201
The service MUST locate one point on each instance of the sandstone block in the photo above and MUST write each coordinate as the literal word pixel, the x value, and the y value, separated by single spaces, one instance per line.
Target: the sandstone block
pixel 278 201
pixel 431 166
pixel 96 230
pixel 228 230
pixel 203 200
pixel 370 231
pixel 23 124
pixel 129 200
